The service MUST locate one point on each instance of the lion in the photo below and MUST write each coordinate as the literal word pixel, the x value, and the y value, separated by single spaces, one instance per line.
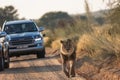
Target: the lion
pixel 68 56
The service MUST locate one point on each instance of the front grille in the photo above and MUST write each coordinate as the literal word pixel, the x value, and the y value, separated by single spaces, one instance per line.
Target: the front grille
pixel 21 41
pixel 29 46
pixel 32 45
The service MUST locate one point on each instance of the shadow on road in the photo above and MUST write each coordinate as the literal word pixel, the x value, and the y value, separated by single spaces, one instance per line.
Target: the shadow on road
pixel 32 69
pixel 47 67
pixel 31 58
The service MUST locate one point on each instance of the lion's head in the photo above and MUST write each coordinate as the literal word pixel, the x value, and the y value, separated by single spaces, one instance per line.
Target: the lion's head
pixel 67 47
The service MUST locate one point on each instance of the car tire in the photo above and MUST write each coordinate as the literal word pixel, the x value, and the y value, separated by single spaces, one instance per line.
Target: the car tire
pixel 6 62
pixel 1 64
pixel 41 54
pixel 6 59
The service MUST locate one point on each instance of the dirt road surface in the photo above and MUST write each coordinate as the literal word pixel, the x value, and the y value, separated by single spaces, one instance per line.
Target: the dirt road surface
pixel 30 68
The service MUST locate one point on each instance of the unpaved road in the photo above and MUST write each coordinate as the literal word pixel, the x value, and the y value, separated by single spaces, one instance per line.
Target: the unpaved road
pixel 30 68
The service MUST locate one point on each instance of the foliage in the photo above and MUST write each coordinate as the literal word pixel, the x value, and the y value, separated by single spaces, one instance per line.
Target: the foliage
pixel 73 32
pixel 7 13
pixel 99 42
pixel 55 19
pixel 114 16
pixel 100 20
pixel 103 39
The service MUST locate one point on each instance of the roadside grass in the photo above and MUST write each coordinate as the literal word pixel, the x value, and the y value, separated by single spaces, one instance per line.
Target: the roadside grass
pixel 56 44
pixel 93 42
pixel 97 49
pixel 100 41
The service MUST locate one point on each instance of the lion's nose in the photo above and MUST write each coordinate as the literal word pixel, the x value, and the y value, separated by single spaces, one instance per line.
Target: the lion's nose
pixel 67 48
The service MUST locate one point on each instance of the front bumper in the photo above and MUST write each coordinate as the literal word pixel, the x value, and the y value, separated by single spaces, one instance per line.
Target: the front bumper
pixel 29 48
pixel 26 49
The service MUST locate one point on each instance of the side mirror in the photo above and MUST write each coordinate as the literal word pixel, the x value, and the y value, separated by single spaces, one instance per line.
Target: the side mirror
pixel 2 34
pixel 41 29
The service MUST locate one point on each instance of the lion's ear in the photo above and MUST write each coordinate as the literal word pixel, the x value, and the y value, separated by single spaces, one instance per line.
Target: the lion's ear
pixel 61 41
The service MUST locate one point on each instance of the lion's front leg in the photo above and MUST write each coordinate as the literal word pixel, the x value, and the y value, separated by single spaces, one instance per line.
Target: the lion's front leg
pixel 64 65
pixel 72 68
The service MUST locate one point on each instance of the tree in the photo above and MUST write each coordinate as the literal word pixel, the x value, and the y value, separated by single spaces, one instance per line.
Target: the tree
pixel 55 19
pixel 8 13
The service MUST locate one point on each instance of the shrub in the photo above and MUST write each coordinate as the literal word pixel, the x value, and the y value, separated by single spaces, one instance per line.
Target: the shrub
pixel 99 42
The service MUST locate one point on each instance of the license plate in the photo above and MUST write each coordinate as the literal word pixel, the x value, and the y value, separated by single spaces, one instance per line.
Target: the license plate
pixel 21 47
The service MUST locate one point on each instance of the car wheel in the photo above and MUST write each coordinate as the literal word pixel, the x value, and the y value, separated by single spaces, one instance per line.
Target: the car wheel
pixel 6 59
pixel 41 54
pixel 1 64
pixel 6 62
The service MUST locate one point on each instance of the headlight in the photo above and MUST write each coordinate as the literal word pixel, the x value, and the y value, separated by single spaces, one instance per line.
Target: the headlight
pixel 38 39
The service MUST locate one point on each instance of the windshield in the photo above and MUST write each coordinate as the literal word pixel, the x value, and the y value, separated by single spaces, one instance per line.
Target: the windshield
pixel 20 28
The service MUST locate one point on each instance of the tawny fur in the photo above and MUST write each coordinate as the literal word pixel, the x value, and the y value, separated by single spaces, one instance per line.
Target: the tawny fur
pixel 68 56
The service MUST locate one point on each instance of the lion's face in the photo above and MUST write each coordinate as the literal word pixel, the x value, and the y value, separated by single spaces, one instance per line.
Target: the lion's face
pixel 67 44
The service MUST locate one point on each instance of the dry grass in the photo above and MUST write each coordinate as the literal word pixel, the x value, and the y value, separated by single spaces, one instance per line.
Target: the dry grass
pixel 56 44
pixel 98 41
pixel 96 50
pixel 46 39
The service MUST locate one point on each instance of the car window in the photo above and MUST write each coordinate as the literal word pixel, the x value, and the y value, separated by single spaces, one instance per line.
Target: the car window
pixel 20 28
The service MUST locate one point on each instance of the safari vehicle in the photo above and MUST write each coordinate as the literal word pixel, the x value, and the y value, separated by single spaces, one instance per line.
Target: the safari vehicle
pixel 1 59
pixel 2 55
pixel 21 37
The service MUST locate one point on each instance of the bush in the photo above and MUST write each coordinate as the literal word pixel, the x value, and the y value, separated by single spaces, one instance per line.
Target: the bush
pixel 99 42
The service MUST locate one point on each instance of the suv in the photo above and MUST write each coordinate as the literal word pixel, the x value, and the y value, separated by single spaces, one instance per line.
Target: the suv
pixel 1 59
pixel 21 37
